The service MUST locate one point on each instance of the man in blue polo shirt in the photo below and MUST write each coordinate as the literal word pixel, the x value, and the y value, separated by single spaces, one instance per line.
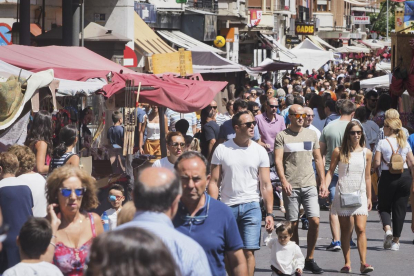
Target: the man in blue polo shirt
pixel 206 220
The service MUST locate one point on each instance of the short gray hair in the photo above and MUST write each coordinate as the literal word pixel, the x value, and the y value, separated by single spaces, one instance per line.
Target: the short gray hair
pixel 190 155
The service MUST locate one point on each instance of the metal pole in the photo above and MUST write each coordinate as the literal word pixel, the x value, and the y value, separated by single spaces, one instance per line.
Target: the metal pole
pixel 24 34
pixel 67 22
pixel 388 15
pixel 163 142
pixel 43 16
pixel 76 23
pixel 83 23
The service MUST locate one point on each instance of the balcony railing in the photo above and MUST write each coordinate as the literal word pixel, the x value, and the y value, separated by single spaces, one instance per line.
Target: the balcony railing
pixel 281 5
pixel 205 5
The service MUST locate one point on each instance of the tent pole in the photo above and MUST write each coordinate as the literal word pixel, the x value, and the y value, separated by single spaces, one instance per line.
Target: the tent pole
pixel 163 143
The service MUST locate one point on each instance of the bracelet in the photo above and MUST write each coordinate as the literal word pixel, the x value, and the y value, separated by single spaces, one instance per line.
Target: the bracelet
pixel 270 214
pixel 54 245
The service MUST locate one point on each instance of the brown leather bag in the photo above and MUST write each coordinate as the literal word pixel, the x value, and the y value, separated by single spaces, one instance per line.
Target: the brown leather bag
pixel 396 164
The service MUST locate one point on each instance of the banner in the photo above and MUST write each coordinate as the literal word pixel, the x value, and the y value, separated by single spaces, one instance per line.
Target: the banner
pixel 360 20
pixel 255 17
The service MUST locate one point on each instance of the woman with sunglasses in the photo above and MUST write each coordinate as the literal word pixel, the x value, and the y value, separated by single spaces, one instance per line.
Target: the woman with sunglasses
pixel 354 163
pixel 176 146
pixel 151 124
pixel 393 188
pixel 71 192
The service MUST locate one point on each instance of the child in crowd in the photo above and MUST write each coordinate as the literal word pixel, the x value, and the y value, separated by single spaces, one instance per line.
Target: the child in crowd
pixel 33 241
pixel 115 197
pixel 286 257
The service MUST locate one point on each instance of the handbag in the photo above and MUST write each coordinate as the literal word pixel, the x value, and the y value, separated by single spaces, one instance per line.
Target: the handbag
pixel 353 199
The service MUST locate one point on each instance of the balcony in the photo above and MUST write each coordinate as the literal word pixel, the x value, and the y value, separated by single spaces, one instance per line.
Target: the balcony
pixel 281 5
pixel 203 5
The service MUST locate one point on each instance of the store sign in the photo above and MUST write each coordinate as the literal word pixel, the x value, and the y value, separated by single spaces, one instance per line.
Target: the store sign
pixel 292 39
pixel 304 29
pixel 361 20
pixel 255 17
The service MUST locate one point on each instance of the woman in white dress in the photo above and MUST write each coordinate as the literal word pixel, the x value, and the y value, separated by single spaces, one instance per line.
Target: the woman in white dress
pixel 354 163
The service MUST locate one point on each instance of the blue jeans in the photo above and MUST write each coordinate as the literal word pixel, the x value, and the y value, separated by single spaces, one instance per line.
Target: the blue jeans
pixel 332 187
pixel 249 221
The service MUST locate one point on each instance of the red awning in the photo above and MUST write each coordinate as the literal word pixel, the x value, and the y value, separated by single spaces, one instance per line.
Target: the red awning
pixel 80 64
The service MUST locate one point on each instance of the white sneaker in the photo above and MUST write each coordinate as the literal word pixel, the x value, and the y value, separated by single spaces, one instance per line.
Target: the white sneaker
pixel 395 246
pixel 387 239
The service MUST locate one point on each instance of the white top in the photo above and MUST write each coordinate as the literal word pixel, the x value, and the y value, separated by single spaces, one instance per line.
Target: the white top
pixel 317 121
pixel 36 183
pixel 318 133
pixel 221 118
pixel 153 129
pixel 286 258
pixel 112 216
pixel 240 171
pixel 33 269
pixel 371 130
pixel 386 151
pixel 163 163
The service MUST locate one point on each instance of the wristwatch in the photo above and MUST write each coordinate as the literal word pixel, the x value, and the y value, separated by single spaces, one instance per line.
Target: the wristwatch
pixel 270 214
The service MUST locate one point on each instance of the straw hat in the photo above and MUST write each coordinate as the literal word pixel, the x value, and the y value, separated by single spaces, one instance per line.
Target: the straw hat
pixel 11 98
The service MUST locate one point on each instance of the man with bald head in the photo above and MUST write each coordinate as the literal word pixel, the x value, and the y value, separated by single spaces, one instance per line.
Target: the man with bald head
pixel 156 194
pixel 307 123
pixel 294 149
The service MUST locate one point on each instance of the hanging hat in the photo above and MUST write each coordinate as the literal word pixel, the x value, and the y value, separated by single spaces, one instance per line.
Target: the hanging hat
pixel 11 98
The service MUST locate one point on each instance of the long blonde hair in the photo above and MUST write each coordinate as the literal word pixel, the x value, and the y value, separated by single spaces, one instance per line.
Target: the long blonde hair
pixel 396 126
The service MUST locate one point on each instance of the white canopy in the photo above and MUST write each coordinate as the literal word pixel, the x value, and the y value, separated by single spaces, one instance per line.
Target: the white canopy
pixel 385 66
pixel 352 49
pixel 309 55
pixel 383 81
pixel 66 87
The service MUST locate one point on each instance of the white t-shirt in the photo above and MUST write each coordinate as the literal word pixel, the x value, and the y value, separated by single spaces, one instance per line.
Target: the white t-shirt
pixel 240 170
pixel 36 183
pixel 163 163
pixel 113 217
pixel 286 258
pixel 33 269
pixel 386 151
pixel 318 133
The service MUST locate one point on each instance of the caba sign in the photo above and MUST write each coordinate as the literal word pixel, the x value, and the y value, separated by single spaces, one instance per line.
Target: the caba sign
pixel 304 29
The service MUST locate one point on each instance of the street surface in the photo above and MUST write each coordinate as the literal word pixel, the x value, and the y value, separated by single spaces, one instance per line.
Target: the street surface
pixel 385 262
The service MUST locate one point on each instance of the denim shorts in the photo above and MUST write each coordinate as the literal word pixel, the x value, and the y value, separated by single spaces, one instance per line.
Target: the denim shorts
pixel 332 187
pixel 249 221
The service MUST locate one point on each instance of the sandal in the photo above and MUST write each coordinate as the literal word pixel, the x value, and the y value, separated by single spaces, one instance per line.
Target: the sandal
pixel 282 209
pixel 367 268
pixel 346 269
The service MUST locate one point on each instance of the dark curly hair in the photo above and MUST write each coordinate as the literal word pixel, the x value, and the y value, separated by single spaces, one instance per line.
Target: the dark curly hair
pixel 56 178
pixel 41 130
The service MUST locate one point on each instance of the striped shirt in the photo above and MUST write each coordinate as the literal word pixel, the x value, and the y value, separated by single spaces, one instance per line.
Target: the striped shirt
pixel 188 254
pixel 173 117
pixel 59 162
pixel 221 118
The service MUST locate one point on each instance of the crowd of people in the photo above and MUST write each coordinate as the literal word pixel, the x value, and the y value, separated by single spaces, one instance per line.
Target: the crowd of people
pixel 316 141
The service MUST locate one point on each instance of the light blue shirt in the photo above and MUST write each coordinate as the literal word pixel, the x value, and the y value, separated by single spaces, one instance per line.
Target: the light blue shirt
pixel 285 114
pixel 188 254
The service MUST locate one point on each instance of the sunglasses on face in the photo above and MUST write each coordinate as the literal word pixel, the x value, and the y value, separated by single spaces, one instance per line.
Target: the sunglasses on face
pixel 249 124
pixel 297 116
pixel 176 144
pixel 310 116
pixel 67 192
pixel 214 107
pixel 355 132
pixel 273 106
pixel 255 111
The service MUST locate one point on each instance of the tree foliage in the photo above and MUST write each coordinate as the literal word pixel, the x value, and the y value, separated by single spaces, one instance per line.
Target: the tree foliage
pixel 379 21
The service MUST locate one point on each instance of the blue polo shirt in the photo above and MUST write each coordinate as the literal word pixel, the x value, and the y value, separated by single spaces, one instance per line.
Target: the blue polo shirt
pixel 217 233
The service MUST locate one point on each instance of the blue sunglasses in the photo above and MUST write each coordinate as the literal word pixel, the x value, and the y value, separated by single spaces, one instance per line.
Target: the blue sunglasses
pixel 67 192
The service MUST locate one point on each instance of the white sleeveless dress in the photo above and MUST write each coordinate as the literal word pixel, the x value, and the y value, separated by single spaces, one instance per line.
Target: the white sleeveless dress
pixel 351 179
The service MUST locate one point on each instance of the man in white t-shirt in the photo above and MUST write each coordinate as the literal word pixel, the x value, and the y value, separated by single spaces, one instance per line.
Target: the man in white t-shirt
pixel 175 145
pixel 241 163
pixel 33 241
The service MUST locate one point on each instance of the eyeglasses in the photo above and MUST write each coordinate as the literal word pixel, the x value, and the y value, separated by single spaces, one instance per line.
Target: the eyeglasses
pixel 297 116
pixel 249 124
pixel 114 198
pixel 273 106
pixel 175 145
pixel 197 219
pixel 255 111
pixel 214 107
pixel 67 192
pixel 310 116
pixel 355 132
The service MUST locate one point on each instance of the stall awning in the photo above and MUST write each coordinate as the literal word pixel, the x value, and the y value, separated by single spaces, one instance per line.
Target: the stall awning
pixel 320 42
pixel 185 41
pixel 270 41
pixel 273 65
pixel 147 42
pixel 353 49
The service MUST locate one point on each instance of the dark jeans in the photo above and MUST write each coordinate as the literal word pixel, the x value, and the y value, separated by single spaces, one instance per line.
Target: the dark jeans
pixel 393 194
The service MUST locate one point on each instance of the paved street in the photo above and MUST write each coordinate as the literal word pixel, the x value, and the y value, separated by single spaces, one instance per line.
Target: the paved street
pixel 385 262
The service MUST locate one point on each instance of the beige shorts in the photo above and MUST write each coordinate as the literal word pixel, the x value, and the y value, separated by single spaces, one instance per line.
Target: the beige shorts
pixel 307 196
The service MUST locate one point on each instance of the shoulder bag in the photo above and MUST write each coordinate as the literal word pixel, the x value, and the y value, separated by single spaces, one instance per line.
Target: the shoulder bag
pixel 349 200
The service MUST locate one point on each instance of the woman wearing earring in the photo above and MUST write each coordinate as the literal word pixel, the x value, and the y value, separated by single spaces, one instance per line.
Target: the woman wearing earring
pixel 62 154
pixel 393 187
pixel 70 193
pixel 39 140
pixel 354 183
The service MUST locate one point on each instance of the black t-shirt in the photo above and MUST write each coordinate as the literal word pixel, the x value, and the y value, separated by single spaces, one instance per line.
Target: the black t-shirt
pixel 209 131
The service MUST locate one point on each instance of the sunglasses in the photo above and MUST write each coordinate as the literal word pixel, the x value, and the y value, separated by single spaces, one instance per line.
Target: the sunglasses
pixel 175 145
pixel 297 116
pixel 114 198
pixel 273 106
pixel 249 124
pixel 310 116
pixel 254 94
pixel 197 219
pixel 214 107
pixel 355 132
pixel 255 111
pixel 67 192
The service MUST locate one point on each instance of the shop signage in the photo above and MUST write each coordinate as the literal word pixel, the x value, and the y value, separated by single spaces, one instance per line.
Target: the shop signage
pixel 304 29
pixel 292 39
pixel 361 20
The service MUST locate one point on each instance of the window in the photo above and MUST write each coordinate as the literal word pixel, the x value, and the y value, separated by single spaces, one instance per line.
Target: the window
pixel 322 5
